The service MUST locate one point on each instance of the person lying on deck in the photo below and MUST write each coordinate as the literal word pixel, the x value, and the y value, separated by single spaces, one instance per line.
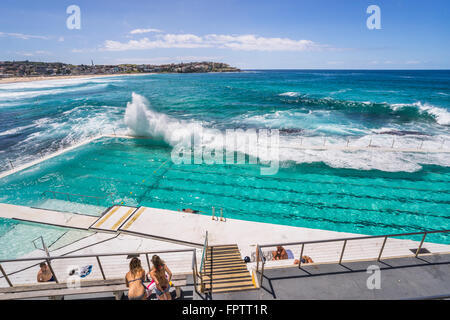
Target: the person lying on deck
pixel 305 259
pixel 280 254
pixel 188 210
pixel 44 274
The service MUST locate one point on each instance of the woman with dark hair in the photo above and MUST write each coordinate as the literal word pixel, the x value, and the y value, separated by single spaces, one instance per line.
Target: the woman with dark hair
pixel 134 280
pixel 158 274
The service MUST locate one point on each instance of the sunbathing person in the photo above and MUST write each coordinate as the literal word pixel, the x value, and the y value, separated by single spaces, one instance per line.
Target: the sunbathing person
pixel 280 254
pixel 305 259
pixel 134 280
pixel 188 210
pixel 44 274
pixel 158 274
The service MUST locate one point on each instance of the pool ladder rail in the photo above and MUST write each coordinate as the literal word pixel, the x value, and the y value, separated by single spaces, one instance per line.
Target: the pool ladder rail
pixel 214 217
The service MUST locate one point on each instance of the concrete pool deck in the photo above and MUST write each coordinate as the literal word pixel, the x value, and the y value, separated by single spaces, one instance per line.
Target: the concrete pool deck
pixel 400 278
pixel 190 230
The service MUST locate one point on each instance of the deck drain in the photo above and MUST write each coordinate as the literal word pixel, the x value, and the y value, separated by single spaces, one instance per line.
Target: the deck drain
pixel 422 250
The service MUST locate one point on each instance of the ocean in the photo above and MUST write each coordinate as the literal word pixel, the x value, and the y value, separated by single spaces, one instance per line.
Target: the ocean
pixel 365 191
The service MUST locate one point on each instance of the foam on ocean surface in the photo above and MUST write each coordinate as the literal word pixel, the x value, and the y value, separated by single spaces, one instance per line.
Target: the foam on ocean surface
pixel 143 121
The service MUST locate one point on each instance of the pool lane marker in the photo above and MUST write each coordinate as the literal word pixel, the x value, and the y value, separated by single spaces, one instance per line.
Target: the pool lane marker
pixel 137 214
pixel 106 216
pixel 121 220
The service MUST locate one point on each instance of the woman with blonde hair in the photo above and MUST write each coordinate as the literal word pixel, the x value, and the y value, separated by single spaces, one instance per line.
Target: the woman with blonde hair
pixel 134 280
pixel 158 274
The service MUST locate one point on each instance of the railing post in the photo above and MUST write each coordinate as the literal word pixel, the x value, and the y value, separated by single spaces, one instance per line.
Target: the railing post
pixel 51 270
pixel 101 268
pixel 11 164
pixel 6 276
pixel 148 261
pixel 213 213
pixel 421 243
pixel 257 258
pixel 221 215
pixel 393 141
pixel 194 268
pixel 262 271
pixel 382 248
pixel 342 252
pixel 301 255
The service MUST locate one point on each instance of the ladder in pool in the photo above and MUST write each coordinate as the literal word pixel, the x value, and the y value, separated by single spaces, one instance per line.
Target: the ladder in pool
pixel 224 270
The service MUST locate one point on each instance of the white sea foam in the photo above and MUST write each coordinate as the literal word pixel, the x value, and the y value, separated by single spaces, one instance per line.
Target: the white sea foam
pixel 143 121
pixel 41 84
pixel 441 115
pixel 15 130
pixel 18 94
pixel 290 94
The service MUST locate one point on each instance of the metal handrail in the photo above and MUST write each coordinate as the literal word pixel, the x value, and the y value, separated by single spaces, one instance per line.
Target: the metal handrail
pixel 260 256
pixel 44 247
pixel 204 257
pixel 78 195
pixel 353 238
pixel 97 256
pixel 345 241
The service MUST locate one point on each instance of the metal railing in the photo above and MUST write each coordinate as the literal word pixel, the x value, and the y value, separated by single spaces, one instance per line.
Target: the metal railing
pixel 202 263
pixel 70 196
pixel 44 247
pixel 260 260
pixel 49 260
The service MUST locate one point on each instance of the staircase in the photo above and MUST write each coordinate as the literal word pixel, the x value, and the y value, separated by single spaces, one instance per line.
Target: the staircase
pixel 225 271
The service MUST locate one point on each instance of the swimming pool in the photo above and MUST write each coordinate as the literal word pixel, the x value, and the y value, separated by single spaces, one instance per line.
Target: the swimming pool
pixel 137 172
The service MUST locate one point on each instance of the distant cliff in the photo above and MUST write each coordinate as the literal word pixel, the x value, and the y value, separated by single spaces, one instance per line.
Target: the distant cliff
pixel 30 69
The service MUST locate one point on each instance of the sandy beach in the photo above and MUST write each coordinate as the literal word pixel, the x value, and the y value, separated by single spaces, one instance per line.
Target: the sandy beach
pixel 86 76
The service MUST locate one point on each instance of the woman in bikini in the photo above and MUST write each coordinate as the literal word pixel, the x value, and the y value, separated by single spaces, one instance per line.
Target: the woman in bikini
pixel 158 274
pixel 134 280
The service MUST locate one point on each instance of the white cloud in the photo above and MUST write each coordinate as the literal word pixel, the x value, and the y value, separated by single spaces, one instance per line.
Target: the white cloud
pixel 34 53
pixel 22 36
pixel 140 31
pixel 412 62
pixel 247 42
pixel 161 60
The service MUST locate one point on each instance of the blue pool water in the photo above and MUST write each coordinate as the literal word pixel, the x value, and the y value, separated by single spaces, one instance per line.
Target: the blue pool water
pixel 365 192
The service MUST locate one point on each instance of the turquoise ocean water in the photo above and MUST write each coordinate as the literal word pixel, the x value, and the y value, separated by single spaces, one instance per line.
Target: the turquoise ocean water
pixel 368 192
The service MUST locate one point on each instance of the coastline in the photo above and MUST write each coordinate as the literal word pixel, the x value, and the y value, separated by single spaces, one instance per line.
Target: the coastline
pixel 45 78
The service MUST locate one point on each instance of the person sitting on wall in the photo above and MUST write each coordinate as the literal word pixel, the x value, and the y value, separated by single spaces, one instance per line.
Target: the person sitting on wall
pixel 44 273
pixel 280 254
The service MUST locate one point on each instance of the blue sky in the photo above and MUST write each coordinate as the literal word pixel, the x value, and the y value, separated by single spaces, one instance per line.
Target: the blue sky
pixel 325 34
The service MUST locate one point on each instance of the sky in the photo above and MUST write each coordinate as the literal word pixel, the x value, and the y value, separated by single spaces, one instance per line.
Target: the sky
pixel 249 34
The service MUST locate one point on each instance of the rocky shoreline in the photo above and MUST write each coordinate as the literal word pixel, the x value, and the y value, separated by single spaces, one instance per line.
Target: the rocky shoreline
pixel 28 69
